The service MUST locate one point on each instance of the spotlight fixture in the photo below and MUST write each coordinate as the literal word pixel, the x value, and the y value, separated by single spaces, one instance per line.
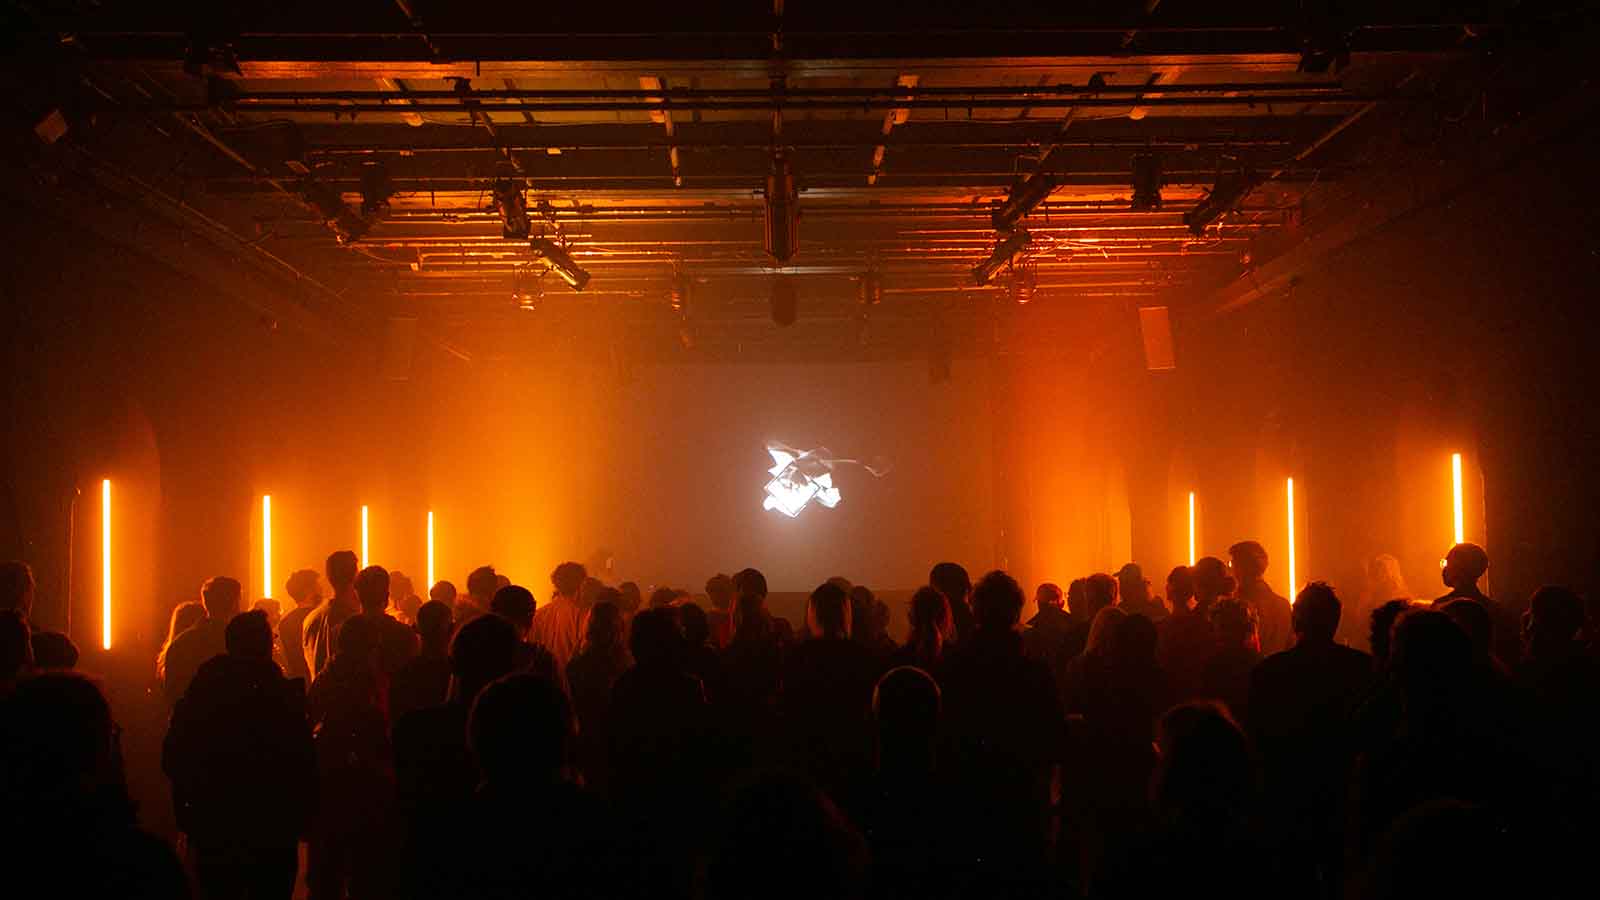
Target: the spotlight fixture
pixel 1024 198
pixel 513 209
pixel 376 189
pixel 1146 183
pixel 1024 281
pixel 784 301
pixel 1008 247
pixel 782 210
pixel 1231 187
pixel 347 227
pixel 561 262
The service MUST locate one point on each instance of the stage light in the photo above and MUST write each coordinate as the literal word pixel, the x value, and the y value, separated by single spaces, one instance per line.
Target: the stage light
pixel 561 262
pixel 1009 246
pixel 266 546
pixel 1231 187
pixel 347 227
pixel 782 210
pixel 366 557
pixel 1146 183
pixel 430 549
pixel 1024 198
pixel 105 563
pixel 513 209
pixel 785 302
pixel 1191 528
pixel 1460 506
pixel 1289 494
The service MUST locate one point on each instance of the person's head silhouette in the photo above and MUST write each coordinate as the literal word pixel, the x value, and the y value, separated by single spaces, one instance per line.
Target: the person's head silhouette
pixel 1180 588
pixel 16 587
pixel 720 591
pixel 1048 596
pixel 696 627
pixel 1432 660
pixel 221 597
pixel 1551 624
pixel 655 638
pixel 372 589
pixel 930 613
pixel 515 604
pixel 632 597
pixel 1463 566
pixel 750 583
pixel 1316 614
pixel 951 580
pixel 750 619
pixel 1101 627
pixel 1249 561
pixel 521 731
pixel 1211 581
pixel 905 708
pixel 568 579
pixel 604 630
pixel 60 759
pixel 304 587
pixel 443 592
pixel 997 602
pixel 1381 629
pixel 434 621
pixel 1099 592
pixel 828 613
pixel 482 582
pixel 249 635
pixel 1206 776
pixel 662 598
pixel 341 569
pixel 483 649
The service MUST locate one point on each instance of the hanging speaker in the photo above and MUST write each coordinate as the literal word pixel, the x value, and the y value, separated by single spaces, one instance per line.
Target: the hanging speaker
pixel 1156 327
pixel 399 343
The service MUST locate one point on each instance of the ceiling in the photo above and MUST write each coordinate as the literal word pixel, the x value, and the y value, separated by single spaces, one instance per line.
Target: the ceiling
pixel 644 151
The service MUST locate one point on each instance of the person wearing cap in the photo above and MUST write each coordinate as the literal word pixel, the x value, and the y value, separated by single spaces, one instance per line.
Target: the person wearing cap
pixel 1134 591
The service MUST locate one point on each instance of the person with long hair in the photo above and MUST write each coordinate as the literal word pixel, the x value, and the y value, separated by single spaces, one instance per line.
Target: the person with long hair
pixel 184 616
pixel 930 629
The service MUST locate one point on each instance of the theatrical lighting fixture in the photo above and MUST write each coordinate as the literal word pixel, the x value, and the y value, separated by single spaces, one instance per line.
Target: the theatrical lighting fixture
pixel 376 189
pixel 784 301
pixel 347 227
pixel 782 210
pixel 1146 183
pixel 1025 196
pixel 266 546
pixel 1009 246
pixel 1024 281
pixel 1191 528
pixel 513 209
pixel 1231 187
pixel 1459 506
pixel 561 262
pixel 366 557
pixel 1289 494
pixel 105 563
pixel 430 549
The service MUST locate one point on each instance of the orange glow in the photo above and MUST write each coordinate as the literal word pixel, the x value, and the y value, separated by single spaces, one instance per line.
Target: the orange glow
pixel 1460 507
pixel 266 546
pixel 1289 493
pixel 430 549
pixel 105 563
pixel 1191 528
pixel 366 557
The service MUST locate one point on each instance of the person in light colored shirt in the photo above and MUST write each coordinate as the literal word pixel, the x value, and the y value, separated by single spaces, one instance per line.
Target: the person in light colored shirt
pixel 558 626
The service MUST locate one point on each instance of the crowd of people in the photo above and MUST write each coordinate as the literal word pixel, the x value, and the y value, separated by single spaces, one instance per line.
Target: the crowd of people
pixel 1212 738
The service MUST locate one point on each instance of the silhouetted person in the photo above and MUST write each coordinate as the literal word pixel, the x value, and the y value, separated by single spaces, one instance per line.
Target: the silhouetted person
pixel 752 669
pixel 184 617
pixel 1271 609
pixel 397 641
pixel 243 768
pixel 827 689
pixel 700 659
pixel 1377 714
pixel 444 591
pixel 403 599
pixel 721 593
pixel 319 629
pixel 54 651
pixel 930 630
pixel 1180 589
pixel 951 580
pixel 632 601
pixel 905 813
pixel 783 839
pixel 530 830
pixel 1384 583
pixel 1300 703
pixel 434 772
pixel 220 596
pixel 558 625
pixel 305 589
pixel 1562 681
pixel 868 627
pixel 1048 631
pixel 1464 566
pixel 1088 672
pixel 515 604
pixel 1187 639
pixel 51 649
pixel 425 679
pixel 663 598
pixel 1004 734
pixel 1133 594
pixel 349 849
pixel 591 675
pixel 482 582
pixel 68 821
pixel 16 649
pixel 1098 592
pixel 1226 675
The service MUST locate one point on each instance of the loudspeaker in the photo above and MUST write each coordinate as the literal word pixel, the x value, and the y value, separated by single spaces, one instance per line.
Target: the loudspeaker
pixel 399 344
pixel 1156 328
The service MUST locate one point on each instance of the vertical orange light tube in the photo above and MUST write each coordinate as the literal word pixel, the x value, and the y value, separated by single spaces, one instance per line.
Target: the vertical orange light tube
pixel 266 546
pixel 1460 507
pixel 105 563
pixel 430 549
pixel 366 557
pixel 1293 582
pixel 1191 528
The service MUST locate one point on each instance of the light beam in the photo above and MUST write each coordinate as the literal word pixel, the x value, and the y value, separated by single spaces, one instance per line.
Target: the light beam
pixel 1191 528
pixel 105 563
pixel 1460 507
pixel 1289 493
pixel 366 558
pixel 266 546
pixel 430 550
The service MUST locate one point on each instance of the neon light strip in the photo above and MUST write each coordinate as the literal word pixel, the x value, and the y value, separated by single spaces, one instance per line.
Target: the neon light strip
pixel 105 563
pixel 430 549
pixel 1460 508
pixel 1191 528
pixel 1292 581
pixel 366 558
pixel 266 546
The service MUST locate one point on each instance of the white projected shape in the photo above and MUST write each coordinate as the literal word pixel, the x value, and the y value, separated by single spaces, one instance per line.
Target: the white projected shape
pixel 799 478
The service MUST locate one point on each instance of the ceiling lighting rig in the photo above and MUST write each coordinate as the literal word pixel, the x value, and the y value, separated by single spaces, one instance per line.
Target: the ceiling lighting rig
pixel 1230 188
